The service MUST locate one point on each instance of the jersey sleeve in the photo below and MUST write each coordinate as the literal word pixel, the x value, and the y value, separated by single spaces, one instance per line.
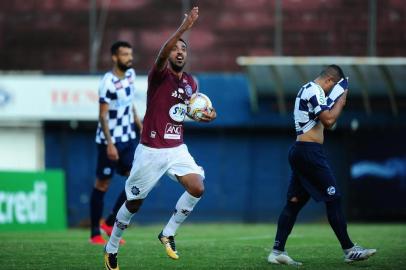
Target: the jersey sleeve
pixel 104 90
pixel 317 99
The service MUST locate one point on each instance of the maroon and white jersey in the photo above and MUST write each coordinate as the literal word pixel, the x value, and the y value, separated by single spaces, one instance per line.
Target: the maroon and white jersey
pixel 167 98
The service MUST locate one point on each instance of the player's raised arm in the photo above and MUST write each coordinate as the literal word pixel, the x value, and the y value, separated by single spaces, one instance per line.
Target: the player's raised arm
pixel 329 117
pixel 187 23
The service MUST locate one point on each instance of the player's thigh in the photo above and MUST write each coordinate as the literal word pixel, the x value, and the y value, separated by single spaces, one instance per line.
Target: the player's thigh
pixel 148 167
pixel 318 179
pixel 182 163
pixel 126 154
pixel 105 167
pixel 296 191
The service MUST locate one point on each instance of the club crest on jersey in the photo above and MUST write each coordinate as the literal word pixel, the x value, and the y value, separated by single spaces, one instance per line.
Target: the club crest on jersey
pixel 177 112
pixel 331 190
pixel 189 90
pixel 173 132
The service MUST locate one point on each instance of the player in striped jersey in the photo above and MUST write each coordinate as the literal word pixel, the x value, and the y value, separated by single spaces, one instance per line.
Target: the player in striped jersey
pixel 115 135
pixel 311 173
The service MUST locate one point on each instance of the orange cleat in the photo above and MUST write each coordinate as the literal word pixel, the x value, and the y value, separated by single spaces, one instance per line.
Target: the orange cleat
pixel 108 230
pixel 97 240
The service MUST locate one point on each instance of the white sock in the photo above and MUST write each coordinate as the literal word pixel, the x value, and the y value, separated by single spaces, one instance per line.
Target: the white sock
pixel 183 207
pixel 122 220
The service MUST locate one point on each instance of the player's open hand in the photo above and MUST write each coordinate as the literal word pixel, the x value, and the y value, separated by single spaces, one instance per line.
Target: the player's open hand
pixel 112 152
pixel 208 117
pixel 190 18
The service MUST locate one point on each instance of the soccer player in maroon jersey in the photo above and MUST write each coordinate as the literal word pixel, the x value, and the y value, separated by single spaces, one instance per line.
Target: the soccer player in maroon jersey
pixel 161 150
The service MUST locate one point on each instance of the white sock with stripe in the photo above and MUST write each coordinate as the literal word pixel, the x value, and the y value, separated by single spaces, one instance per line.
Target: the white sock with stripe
pixel 183 207
pixel 122 220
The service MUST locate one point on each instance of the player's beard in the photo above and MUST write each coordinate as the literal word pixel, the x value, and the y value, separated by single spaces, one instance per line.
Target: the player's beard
pixel 124 67
pixel 175 67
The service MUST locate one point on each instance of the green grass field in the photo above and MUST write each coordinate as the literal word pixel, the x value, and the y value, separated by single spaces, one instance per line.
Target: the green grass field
pixel 205 246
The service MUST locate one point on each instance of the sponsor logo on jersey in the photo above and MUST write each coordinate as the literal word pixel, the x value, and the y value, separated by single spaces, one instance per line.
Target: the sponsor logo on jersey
pixel 177 112
pixel 173 132
pixel 331 190
pixel 118 85
pixel 322 97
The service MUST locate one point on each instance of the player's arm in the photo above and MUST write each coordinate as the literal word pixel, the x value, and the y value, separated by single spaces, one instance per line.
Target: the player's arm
pixel 166 49
pixel 137 120
pixel 329 117
pixel 112 152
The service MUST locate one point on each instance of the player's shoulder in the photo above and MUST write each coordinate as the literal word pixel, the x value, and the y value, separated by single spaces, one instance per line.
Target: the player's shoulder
pixel 108 78
pixel 311 88
pixel 189 78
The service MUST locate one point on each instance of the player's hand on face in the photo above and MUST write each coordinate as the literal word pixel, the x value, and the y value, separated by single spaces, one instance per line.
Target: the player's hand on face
pixel 112 152
pixel 208 117
pixel 190 18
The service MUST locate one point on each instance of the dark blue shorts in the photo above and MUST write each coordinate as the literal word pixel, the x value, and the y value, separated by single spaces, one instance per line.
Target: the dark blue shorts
pixel 106 168
pixel 311 174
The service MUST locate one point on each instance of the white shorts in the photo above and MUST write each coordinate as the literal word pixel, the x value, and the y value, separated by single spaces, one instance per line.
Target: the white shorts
pixel 150 164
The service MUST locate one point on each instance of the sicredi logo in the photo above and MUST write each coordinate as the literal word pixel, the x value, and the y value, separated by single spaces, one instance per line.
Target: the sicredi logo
pixel 178 112
pixel 24 207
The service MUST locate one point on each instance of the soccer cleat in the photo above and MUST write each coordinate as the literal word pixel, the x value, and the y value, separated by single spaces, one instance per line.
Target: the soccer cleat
pixel 169 243
pixel 110 260
pixel 108 230
pixel 358 253
pixel 97 240
pixel 281 257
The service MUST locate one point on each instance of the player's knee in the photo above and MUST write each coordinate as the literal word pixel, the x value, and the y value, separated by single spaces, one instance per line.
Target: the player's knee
pixel 196 190
pixel 294 200
pixel 133 206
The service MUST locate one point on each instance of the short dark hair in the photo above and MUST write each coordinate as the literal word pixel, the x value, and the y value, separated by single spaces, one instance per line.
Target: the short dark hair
pixel 116 45
pixel 334 71
pixel 181 39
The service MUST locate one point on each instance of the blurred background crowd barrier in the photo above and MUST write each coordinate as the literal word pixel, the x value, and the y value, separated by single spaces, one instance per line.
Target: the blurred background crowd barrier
pixel 249 57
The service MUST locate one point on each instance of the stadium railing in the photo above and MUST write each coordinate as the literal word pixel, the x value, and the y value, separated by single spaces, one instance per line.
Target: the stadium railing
pixel 377 84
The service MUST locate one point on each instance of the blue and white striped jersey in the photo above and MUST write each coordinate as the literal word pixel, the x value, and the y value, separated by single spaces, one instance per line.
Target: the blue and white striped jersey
pixel 119 94
pixel 310 102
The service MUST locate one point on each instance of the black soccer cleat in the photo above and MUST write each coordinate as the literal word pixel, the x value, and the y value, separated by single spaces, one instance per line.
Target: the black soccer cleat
pixel 110 261
pixel 169 244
